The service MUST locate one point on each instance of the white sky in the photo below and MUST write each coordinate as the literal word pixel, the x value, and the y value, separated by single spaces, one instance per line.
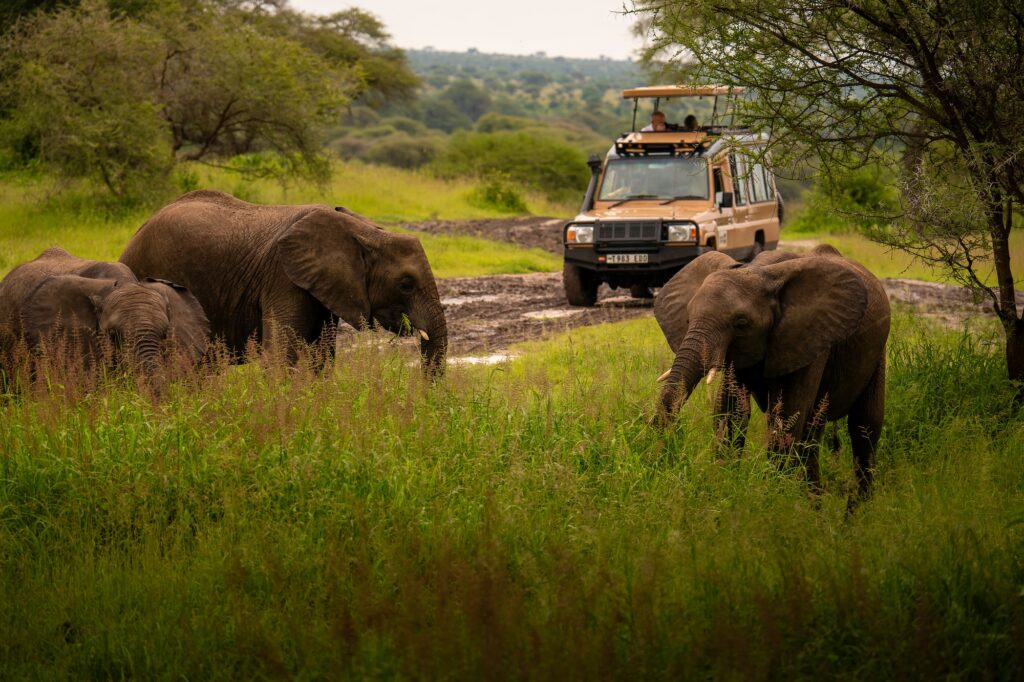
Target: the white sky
pixel 566 28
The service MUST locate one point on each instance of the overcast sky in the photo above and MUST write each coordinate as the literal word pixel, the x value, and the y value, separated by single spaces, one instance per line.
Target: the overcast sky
pixel 567 28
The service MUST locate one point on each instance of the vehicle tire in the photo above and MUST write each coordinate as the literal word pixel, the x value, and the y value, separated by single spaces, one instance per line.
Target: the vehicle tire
pixel 640 291
pixel 758 248
pixel 580 285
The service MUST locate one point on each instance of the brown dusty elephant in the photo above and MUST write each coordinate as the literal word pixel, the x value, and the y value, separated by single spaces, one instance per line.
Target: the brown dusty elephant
pixel 84 303
pixel 260 271
pixel 804 336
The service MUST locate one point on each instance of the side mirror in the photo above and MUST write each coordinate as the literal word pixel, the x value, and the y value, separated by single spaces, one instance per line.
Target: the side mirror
pixel 723 199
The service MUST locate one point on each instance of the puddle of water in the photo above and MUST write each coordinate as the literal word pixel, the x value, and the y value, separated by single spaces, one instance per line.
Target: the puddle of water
pixel 552 313
pixel 463 300
pixel 492 359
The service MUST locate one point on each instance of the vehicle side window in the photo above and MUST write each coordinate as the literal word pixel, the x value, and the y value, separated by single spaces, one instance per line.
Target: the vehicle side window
pixel 759 188
pixel 717 177
pixel 736 166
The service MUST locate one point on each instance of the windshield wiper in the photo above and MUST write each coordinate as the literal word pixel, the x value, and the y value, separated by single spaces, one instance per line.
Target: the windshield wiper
pixel 633 196
pixel 685 196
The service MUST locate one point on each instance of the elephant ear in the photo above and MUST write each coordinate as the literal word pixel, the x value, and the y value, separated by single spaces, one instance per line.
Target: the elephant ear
pixel 670 305
pixel 189 324
pixel 772 257
pixel 821 300
pixel 323 253
pixel 66 306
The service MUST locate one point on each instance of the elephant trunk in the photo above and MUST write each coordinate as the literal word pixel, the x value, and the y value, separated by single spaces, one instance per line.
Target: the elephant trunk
pixel 434 340
pixel 699 353
pixel 147 350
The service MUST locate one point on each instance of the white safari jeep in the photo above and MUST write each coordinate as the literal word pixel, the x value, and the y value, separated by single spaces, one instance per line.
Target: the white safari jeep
pixel 662 197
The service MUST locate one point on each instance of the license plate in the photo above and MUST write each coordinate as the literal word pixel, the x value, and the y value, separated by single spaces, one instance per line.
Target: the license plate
pixel 626 258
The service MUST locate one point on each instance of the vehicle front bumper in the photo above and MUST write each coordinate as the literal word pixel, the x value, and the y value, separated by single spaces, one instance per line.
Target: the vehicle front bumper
pixel 660 257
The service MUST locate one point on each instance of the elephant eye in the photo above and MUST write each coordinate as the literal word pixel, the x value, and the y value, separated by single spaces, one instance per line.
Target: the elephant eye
pixel 406 285
pixel 741 322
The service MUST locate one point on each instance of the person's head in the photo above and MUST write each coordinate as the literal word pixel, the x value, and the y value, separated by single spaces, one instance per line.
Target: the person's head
pixel 658 120
pixel 690 122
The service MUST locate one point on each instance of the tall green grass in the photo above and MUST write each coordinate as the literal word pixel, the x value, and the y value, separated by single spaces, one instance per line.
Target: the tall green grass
pixel 32 220
pixel 521 520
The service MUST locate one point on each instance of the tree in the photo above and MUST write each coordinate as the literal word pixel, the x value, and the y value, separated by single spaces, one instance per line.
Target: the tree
pixel 120 99
pixel 468 98
pixel 933 91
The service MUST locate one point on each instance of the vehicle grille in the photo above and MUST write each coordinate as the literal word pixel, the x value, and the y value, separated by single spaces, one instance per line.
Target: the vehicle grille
pixel 628 230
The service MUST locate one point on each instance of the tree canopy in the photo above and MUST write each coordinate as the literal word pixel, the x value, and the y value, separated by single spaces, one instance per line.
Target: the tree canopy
pixel 119 91
pixel 932 90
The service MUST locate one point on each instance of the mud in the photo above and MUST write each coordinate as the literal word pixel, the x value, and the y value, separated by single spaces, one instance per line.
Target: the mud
pixel 486 315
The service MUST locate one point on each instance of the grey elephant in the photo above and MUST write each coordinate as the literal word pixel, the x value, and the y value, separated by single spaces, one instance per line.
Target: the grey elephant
pixel 280 274
pixel 804 336
pixel 84 304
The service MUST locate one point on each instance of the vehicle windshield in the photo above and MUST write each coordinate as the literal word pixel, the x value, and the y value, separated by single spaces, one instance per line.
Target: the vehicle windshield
pixel 668 177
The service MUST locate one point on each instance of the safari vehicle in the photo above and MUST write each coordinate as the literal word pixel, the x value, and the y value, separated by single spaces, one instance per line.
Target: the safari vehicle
pixel 659 199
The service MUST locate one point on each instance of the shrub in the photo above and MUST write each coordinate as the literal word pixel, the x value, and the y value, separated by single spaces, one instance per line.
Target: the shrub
pixel 498 192
pixel 536 161
pixel 403 151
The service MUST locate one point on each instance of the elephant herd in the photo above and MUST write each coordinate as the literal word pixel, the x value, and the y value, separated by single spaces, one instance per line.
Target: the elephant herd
pixel 803 336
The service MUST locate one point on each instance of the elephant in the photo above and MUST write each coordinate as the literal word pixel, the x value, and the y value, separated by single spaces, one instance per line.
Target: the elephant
pixel 279 274
pixel 805 336
pixel 84 303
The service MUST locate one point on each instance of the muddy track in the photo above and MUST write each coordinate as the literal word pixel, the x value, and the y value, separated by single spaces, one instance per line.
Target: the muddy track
pixel 488 314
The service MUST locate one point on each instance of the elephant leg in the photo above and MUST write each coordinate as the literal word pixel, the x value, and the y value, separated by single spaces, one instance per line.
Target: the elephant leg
pixel 865 428
pixel 291 319
pixel 809 450
pixel 732 414
pixel 796 417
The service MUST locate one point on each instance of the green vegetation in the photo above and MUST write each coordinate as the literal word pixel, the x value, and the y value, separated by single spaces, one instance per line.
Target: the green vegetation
pixel 512 521
pixel 29 223
pixel 119 95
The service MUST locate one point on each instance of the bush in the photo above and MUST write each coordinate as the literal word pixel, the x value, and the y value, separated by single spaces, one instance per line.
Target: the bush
pixel 844 202
pixel 535 161
pixel 499 193
pixel 403 151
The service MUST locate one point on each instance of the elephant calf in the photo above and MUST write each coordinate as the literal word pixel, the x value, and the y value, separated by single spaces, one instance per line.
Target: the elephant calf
pixel 805 336
pixel 82 304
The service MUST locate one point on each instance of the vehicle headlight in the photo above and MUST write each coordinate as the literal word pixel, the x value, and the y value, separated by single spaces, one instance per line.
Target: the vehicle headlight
pixel 580 234
pixel 682 233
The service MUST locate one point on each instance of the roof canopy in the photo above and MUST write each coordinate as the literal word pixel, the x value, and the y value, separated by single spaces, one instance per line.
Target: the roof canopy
pixel 681 91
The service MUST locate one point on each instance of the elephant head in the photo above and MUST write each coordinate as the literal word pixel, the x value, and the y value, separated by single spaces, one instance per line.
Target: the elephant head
pixel 367 276
pixel 144 317
pixel 780 316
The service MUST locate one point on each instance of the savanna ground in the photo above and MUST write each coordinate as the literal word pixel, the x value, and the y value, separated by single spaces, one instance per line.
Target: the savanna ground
pixel 514 520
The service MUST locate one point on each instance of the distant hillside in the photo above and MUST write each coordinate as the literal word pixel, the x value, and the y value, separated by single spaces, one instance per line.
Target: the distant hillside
pixel 473 64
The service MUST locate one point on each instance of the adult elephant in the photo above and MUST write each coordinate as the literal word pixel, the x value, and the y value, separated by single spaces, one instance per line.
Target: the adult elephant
pixel 805 337
pixel 88 306
pixel 284 273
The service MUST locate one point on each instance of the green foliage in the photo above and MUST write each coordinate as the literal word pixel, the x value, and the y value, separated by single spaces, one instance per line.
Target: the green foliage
pixel 119 92
pixel 469 99
pixel 403 151
pixel 79 104
pixel 848 200
pixel 495 191
pixel 536 161
pixel 509 522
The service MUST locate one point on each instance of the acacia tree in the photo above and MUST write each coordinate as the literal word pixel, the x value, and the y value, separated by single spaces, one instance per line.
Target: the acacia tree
pixel 932 89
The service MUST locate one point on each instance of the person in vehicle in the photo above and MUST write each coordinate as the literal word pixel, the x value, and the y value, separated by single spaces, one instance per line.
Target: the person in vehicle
pixel 657 123
pixel 690 124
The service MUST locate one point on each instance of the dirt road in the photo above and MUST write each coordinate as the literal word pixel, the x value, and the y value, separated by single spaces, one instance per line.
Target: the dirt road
pixel 488 314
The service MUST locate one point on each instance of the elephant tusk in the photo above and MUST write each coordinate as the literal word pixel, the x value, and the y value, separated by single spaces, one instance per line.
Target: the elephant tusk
pixel 664 376
pixel 424 335
pixel 711 374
